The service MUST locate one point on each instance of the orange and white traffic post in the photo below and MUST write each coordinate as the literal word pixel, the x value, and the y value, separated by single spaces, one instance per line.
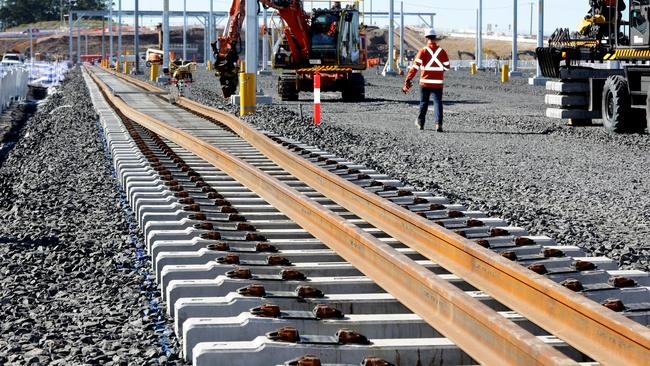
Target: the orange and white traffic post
pixel 316 98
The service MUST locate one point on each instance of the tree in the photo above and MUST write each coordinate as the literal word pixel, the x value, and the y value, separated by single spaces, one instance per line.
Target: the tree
pixel 16 12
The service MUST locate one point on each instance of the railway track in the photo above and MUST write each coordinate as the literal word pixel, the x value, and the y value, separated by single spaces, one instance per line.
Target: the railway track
pixel 266 250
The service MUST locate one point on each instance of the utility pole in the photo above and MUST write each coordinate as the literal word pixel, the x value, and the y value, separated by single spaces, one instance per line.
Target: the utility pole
pixel 540 32
pixel 103 37
pixel 79 38
pixel 184 30
pixel 110 33
pixel 248 97
pixel 212 32
pixel 539 80
pixel 531 18
pixel 165 33
pixel 479 35
pixel 136 36
pixel 119 32
pixel 515 57
pixel 265 41
pixel 390 64
pixel 401 35
pixel 70 36
pixel 31 45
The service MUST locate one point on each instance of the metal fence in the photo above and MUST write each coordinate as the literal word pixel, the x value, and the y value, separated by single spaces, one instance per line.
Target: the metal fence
pixel 13 85
pixel 491 64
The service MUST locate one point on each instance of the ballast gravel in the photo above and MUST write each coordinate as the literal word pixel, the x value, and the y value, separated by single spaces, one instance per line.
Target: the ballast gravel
pixel 70 290
pixel 580 186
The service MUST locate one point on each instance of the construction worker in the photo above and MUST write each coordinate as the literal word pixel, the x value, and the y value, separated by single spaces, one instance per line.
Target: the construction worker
pixel 432 62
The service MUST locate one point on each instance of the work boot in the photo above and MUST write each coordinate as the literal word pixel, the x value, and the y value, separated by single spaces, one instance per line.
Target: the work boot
pixel 438 127
pixel 419 124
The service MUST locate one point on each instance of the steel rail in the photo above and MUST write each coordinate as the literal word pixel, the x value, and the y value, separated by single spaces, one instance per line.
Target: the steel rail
pixel 598 332
pixel 481 332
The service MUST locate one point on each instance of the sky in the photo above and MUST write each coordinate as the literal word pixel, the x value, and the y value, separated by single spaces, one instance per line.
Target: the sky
pixel 450 15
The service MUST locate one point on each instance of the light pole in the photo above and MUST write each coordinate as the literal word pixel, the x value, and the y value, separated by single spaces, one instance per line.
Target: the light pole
pixel 184 30
pixel 390 65
pixel 479 35
pixel 540 32
pixel 515 57
pixel 119 32
pixel 401 35
pixel 531 18
pixel 166 33
pixel 110 33
pixel 539 80
pixel 136 39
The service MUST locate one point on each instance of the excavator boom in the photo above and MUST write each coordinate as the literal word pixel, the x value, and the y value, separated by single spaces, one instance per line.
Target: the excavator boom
pixel 227 47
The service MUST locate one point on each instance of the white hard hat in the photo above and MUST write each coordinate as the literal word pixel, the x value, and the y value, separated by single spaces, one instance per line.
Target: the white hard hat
pixel 431 33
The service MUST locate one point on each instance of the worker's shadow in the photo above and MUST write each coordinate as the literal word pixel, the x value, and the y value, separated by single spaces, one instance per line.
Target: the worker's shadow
pixel 417 102
pixel 505 133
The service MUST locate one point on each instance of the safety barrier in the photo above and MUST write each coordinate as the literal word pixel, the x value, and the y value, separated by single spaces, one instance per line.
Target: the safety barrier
pixel 13 85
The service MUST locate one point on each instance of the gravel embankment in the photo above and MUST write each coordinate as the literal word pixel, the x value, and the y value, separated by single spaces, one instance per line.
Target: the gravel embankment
pixel 70 290
pixel 500 154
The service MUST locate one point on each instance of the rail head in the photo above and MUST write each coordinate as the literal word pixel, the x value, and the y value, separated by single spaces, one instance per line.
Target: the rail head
pixel 604 335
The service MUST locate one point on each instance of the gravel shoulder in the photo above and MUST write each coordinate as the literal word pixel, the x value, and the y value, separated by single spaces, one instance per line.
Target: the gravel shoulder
pixel 581 186
pixel 71 291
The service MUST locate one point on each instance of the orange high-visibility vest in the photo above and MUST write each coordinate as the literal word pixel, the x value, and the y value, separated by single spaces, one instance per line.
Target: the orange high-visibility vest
pixel 432 62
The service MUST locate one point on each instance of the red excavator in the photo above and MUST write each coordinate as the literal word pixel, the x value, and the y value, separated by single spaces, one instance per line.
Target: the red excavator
pixel 330 41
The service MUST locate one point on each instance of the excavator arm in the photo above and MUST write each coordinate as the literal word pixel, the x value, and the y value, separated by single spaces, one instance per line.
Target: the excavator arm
pixel 226 49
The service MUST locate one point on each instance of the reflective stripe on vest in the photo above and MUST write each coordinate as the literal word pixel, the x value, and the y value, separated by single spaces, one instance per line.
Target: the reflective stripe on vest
pixel 434 59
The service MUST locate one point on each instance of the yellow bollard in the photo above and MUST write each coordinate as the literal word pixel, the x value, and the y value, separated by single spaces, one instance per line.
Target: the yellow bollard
pixel 153 76
pixel 504 73
pixel 117 66
pixel 473 68
pixel 209 65
pixel 247 97
pixel 126 68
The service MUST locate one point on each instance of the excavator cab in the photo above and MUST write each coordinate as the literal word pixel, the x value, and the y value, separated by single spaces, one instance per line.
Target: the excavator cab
pixel 639 32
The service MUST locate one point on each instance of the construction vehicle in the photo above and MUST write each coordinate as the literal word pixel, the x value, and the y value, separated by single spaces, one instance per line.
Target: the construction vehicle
pixel 602 68
pixel 329 41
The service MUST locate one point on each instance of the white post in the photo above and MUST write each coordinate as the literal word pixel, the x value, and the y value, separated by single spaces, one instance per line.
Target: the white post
pixel 165 33
pixel 476 46
pixel 265 40
pixel 252 59
pixel 531 18
pixel 252 40
pixel 401 35
pixel 136 39
pixel 211 27
pixel 31 45
pixel 371 12
pixel 479 35
pixel 119 31
pixel 110 33
pixel 515 58
pixel 184 30
pixel 71 35
pixel 79 39
pixel 540 32
pixel 390 65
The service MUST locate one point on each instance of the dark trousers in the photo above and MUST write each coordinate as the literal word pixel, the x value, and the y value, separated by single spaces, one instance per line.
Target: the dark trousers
pixel 425 97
